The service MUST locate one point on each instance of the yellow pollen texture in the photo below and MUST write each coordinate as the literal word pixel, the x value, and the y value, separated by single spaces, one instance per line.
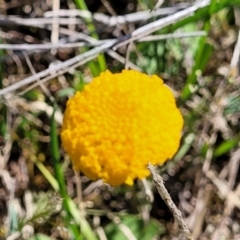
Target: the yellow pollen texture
pixel 118 124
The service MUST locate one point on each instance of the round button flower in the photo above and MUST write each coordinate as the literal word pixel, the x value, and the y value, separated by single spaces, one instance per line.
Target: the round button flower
pixel 118 124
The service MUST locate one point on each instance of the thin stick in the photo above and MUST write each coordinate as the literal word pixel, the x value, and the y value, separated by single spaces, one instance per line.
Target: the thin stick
pixel 73 15
pixel 55 25
pixel 49 46
pixel 129 48
pixel 168 200
pixel 43 87
pixel 57 68
pixel 36 22
pixel 79 191
pixel 163 22
pixel 122 60
pixel 236 53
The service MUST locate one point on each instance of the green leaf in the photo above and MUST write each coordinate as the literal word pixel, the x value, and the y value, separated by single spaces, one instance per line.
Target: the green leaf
pixel 204 13
pixel 40 236
pixel 132 224
pixel 205 149
pixel 32 95
pixel 81 83
pixel 66 92
pixel 3 120
pixel 13 217
pixel 226 146
pixel 201 59
pixel 233 105
pixel 47 174
pixel 187 143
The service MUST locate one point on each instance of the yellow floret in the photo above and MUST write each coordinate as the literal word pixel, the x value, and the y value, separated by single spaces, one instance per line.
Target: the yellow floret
pixel 120 123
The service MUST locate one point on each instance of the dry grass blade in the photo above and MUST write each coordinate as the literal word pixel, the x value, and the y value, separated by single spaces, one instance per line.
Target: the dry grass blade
pixel 161 23
pixel 168 200
pixel 137 34
pixel 48 52
pixel 57 68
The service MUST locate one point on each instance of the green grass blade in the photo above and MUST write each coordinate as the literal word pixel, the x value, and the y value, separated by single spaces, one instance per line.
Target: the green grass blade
pixel 85 227
pixel 72 212
pixel 81 83
pixel 202 57
pixel 47 175
pixel 102 65
pixel 204 13
pixel 40 236
pixel 13 218
pixel 187 143
pixel 205 49
pixel 226 146
pixel 56 157
pixel 60 178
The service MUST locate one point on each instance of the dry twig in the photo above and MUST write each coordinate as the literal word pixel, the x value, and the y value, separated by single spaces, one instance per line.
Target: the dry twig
pixel 168 200
pixel 136 35
pixel 49 46
pixel 163 22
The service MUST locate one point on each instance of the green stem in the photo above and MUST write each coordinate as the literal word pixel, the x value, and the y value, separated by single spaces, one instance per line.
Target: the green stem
pixel 102 66
pixel 72 212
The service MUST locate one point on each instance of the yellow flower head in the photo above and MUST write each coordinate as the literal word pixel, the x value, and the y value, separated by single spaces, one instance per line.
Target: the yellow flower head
pixel 120 123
